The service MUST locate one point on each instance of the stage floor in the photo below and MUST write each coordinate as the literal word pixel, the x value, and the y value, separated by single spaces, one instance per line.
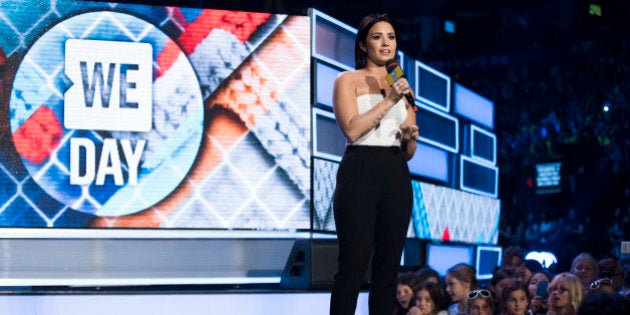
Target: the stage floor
pixel 194 303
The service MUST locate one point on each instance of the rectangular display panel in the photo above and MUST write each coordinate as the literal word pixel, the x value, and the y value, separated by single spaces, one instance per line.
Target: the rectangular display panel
pixel 431 162
pixel 324 182
pixel 439 213
pixel 222 111
pixel 487 258
pixel 473 106
pixel 333 41
pixel 478 178
pixel 325 78
pixel 483 145
pixel 441 257
pixel 432 87
pixel 438 128
pixel 445 214
pixel 328 141
pixel 548 178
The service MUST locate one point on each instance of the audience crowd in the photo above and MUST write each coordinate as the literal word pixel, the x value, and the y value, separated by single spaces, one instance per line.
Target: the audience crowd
pixel 519 286
pixel 565 100
pixel 561 96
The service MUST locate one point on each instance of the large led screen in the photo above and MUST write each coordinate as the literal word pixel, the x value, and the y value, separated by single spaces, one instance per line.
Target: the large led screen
pixel 133 116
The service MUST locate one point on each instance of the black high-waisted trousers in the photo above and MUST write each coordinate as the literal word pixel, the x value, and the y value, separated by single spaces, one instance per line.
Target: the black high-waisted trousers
pixel 372 207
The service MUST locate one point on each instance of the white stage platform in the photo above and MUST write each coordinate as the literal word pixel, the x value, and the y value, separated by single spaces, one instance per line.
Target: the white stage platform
pixel 45 272
pixel 303 303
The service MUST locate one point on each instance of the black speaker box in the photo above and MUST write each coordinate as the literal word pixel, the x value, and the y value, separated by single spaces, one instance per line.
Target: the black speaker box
pixel 312 264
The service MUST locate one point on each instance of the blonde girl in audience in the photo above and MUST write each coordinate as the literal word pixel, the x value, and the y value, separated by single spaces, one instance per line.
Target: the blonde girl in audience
pixel 565 294
pixel 586 268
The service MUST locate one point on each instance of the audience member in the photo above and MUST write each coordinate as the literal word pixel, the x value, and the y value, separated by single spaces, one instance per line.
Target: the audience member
pixel 516 299
pixel 480 302
pixel 428 300
pixel 538 285
pixel 625 290
pixel 603 303
pixel 525 271
pixel 461 279
pixel 565 294
pixel 427 275
pixel 611 268
pixel 499 303
pixel 497 282
pixel 602 285
pixel 585 267
pixel 512 258
pixel 405 288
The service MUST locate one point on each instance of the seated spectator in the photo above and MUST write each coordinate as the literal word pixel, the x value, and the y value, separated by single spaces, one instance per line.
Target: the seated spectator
pixel 516 299
pixel 625 290
pixel 405 288
pixel 428 300
pixel 512 258
pixel 586 269
pixel 427 275
pixel 525 271
pixel 499 303
pixel 460 280
pixel 538 284
pixel 480 302
pixel 611 269
pixel 565 294
pixel 602 285
pixel 599 303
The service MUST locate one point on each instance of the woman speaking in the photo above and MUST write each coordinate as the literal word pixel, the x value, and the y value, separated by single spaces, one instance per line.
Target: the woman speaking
pixel 373 195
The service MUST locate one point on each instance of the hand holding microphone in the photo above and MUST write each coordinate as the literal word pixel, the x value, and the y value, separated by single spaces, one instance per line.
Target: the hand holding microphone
pixel 397 80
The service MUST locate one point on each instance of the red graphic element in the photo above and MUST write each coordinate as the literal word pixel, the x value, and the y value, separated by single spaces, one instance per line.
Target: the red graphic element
pixel 446 236
pixel 529 182
pixel 241 24
pixel 176 14
pixel 38 136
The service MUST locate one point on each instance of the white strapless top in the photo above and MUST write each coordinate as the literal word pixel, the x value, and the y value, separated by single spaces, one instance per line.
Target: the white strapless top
pixel 384 134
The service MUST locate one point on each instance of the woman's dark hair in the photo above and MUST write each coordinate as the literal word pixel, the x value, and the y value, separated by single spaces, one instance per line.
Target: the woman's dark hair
pixel 497 276
pixel 425 273
pixel 515 286
pixel 436 294
pixel 604 303
pixel 360 56
pixel 409 279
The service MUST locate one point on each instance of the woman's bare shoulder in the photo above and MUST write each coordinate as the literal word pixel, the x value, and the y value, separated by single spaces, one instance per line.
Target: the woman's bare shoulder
pixel 350 76
pixel 353 81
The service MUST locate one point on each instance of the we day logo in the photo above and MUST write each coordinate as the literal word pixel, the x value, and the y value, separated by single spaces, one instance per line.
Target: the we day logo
pixel 101 122
pixel 112 90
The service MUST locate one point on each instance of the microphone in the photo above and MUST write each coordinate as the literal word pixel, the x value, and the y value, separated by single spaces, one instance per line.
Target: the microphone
pixel 394 73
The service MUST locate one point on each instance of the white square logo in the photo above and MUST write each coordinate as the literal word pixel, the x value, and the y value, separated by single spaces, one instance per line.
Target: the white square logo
pixel 112 85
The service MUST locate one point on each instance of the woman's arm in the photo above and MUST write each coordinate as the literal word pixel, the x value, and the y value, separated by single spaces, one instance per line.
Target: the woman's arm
pixel 409 134
pixel 346 110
